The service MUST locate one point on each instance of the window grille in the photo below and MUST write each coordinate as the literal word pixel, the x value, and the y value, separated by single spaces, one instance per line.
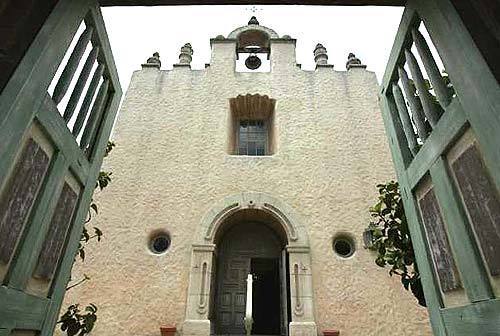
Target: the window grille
pixel 252 137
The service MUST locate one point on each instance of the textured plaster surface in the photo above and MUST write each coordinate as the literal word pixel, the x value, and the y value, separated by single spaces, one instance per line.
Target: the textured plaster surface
pixel 170 166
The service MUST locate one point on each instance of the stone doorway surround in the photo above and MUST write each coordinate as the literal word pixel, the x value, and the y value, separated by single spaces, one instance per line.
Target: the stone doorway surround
pixel 202 269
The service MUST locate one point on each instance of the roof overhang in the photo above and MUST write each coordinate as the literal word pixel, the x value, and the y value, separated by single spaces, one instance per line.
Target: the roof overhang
pixel 253 2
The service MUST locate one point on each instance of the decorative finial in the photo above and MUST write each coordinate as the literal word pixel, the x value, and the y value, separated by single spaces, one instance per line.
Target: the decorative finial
pixel 253 21
pixel 320 55
pixel 186 55
pixel 153 62
pixel 354 62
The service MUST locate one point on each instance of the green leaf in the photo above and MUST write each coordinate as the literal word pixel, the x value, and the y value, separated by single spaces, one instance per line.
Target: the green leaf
pixel 98 233
pixel 73 328
pixel 91 308
pixel 82 254
pixel 380 262
pixel 109 148
pixel 85 235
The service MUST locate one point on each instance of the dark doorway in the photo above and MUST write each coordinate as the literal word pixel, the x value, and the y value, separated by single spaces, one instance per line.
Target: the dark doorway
pixel 266 296
pixel 249 247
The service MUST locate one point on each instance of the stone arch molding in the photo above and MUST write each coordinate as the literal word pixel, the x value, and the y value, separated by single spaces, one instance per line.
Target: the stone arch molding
pixel 289 221
pixel 201 272
pixel 268 31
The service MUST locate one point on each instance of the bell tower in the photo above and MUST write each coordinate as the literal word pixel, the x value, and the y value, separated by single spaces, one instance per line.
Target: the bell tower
pixel 250 47
pixel 253 43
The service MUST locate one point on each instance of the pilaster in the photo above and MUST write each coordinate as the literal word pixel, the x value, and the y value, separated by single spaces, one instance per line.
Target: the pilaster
pixel 198 298
pixel 301 292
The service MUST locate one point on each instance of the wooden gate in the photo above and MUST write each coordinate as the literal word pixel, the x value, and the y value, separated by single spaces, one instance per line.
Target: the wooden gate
pixel 445 143
pixel 54 127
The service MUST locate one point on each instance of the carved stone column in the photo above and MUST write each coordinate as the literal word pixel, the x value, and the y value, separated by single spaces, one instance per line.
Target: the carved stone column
pixel 198 298
pixel 301 292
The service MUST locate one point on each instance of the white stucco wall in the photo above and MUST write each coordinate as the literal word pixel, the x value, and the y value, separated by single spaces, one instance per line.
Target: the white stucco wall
pixel 170 166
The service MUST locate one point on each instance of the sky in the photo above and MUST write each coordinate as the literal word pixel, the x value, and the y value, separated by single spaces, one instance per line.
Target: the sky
pixel 136 32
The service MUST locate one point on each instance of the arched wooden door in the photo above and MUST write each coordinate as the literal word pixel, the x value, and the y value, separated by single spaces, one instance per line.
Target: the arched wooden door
pixel 248 247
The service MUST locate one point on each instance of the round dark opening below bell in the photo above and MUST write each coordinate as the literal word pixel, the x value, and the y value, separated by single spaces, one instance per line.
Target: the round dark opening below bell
pixel 253 62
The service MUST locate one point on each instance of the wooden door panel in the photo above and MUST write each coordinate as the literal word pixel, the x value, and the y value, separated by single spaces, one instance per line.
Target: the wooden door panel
pixel 482 203
pixel 232 298
pixel 240 244
pixel 48 172
pixel 19 195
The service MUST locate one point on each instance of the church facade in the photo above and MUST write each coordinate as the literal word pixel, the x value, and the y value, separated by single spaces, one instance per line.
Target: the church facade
pixel 218 174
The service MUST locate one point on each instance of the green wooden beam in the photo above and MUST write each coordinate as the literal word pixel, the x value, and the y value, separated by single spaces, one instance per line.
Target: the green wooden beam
pixel 106 55
pixel 21 310
pixel 409 20
pixel 448 129
pixel 483 317
pixel 49 118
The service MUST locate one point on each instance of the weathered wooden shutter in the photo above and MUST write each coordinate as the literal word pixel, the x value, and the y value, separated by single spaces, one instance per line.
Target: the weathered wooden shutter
pixel 445 146
pixel 439 245
pixel 56 115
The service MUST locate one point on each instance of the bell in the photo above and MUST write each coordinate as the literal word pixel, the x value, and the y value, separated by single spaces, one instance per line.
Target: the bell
pixel 253 62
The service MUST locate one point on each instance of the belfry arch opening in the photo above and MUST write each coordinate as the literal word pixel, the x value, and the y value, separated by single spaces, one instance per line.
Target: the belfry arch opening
pixel 253 46
pixel 250 241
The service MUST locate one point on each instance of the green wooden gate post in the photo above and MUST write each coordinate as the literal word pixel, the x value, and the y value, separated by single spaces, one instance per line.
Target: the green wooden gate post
pixel 48 169
pixel 400 155
pixel 463 140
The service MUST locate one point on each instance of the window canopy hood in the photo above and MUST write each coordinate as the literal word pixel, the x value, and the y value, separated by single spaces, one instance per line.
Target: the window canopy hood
pixel 253 2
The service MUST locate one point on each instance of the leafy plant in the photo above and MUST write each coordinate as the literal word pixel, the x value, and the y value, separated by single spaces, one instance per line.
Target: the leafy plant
pixel 432 96
pixel 75 322
pixel 391 239
pixel 102 182
pixel 109 147
pixel 429 88
pixel 103 179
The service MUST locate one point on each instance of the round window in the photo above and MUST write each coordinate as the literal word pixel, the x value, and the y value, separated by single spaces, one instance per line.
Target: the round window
pixel 159 243
pixel 343 246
